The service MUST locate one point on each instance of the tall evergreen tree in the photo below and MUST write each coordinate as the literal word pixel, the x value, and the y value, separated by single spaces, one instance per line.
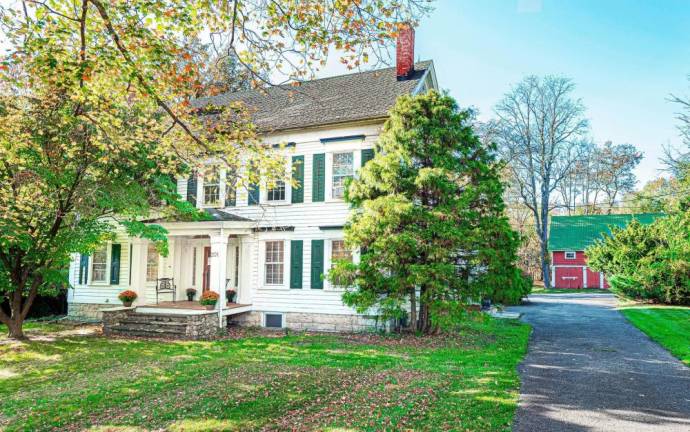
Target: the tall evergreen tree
pixel 428 218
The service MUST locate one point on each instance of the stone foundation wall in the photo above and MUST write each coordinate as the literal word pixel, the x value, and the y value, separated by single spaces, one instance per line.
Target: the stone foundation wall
pixel 204 326
pixel 112 317
pixel 86 310
pixel 126 322
pixel 312 321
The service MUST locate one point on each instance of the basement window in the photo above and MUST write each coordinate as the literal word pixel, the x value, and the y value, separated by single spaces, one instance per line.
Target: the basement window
pixel 570 255
pixel 273 320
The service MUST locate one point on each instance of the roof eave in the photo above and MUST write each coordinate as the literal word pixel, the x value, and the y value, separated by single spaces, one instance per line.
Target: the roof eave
pixel 430 71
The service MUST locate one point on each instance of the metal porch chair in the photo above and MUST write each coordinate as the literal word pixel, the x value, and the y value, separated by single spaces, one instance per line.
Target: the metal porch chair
pixel 165 286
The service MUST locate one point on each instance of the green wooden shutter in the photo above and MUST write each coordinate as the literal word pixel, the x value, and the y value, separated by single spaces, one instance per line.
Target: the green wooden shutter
pixel 83 269
pixel 298 175
pixel 115 264
pixel 253 194
pixel 296 264
pixel 367 155
pixel 318 188
pixel 316 264
pixel 230 196
pixel 191 189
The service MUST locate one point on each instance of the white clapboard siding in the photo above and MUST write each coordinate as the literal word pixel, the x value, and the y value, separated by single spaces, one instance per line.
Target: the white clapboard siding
pixel 306 221
pixel 103 293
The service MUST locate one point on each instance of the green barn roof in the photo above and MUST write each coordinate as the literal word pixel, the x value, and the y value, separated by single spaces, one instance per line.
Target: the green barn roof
pixel 575 233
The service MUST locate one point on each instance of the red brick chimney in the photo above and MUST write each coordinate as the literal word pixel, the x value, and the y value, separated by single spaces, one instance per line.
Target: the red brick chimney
pixel 404 52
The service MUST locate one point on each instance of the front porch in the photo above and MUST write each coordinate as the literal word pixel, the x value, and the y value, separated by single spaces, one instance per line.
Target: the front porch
pixel 186 307
pixel 202 256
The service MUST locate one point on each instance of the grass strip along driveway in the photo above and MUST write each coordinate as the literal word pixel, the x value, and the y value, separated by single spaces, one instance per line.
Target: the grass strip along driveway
pixel 302 382
pixel 666 325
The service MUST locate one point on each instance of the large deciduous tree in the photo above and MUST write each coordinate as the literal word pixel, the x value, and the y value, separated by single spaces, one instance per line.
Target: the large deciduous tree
pixel 96 113
pixel 540 131
pixel 428 218
pixel 600 178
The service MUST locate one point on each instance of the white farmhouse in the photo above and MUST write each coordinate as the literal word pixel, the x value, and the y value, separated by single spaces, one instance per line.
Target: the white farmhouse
pixel 271 246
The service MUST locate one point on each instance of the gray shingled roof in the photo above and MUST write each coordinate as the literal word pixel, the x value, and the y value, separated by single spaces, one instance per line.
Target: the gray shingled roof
pixel 344 98
pixel 212 214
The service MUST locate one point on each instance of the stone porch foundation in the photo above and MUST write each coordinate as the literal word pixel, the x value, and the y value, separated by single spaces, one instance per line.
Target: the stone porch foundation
pixel 86 310
pixel 122 321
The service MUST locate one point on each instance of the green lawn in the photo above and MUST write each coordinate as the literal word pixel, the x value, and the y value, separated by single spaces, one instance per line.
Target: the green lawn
pixel 260 382
pixel 668 326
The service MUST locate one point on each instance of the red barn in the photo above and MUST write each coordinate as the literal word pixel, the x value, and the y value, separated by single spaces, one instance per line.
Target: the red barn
pixel 569 236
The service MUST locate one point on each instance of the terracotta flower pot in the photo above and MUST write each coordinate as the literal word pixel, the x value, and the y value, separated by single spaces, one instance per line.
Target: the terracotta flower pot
pixel 210 306
pixel 127 303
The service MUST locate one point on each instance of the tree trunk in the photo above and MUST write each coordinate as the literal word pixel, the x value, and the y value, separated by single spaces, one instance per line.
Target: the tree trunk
pixel 545 267
pixel 424 321
pixel 544 237
pixel 412 325
pixel 19 305
pixel 15 327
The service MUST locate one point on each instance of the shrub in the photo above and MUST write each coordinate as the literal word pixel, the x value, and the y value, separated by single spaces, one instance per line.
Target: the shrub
pixel 209 298
pixel 190 291
pixel 647 262
pixel 127 296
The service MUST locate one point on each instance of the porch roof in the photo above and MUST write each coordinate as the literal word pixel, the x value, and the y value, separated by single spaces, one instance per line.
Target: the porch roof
pixel 218 220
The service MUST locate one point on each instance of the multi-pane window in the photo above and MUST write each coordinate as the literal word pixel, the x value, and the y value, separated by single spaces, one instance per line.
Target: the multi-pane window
pixel 339 252
pixel 99 264
pixel 274 263
pixel 343 169
pixel 212 187
pixel 151 263
pixel 277 192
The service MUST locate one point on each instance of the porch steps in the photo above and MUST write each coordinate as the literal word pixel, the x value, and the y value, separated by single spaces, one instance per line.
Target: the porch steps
pixel 151 325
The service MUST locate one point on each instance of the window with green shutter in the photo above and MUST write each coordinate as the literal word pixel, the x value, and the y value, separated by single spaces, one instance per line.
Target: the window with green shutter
pixel 318 189
pixel 298 176
pixel 115 264
pixel 296 263
pixel 367 155
pixel 316 264
pixel 253 198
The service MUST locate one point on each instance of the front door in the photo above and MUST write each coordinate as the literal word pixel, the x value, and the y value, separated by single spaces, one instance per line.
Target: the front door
pixel 206 283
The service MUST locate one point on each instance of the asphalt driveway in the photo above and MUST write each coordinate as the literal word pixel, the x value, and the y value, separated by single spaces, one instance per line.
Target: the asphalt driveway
pixel 588 369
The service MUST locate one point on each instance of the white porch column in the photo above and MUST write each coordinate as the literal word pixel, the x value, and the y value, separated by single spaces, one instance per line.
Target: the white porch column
pixel 170 259
pixel 218 262
pixel 138 268
pixel 176 251
pixel 244 294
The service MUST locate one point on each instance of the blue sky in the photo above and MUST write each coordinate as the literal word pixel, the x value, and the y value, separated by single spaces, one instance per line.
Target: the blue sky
pixel 625 56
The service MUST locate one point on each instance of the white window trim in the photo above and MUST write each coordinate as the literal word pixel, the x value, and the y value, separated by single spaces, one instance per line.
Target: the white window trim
pixel 221 190
pixel 263 198
pixel 356 162
pixel 282 319
pixel 108 258
pixel 286 265
pixel 327 262
pixel 158 268
pixel 567 255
